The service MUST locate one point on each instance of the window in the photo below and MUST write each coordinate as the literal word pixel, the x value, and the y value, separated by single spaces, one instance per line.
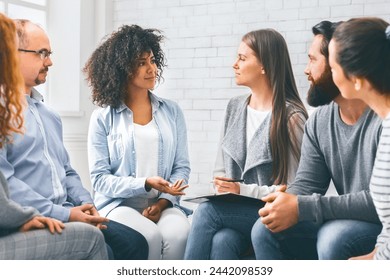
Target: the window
pixel 63 22
pixel 34 10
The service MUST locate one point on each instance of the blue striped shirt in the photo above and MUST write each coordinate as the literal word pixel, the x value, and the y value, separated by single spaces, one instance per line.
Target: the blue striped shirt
pixel 380 190
pixel 37 167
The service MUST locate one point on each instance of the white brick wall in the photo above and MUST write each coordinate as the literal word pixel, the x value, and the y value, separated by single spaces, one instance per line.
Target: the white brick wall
pixel 202 38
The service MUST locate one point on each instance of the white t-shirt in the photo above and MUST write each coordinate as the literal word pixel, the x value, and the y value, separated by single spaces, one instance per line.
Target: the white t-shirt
pixel 146 147
pixel 254 119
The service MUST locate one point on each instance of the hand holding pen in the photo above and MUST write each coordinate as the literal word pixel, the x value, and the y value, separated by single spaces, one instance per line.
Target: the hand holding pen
pixel 223 184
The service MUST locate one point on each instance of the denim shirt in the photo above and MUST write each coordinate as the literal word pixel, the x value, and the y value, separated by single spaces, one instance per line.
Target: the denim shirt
pixel 37 166
pixel 112 156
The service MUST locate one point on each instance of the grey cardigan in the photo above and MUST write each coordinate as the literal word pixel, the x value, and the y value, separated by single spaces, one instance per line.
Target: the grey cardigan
pixel 254 164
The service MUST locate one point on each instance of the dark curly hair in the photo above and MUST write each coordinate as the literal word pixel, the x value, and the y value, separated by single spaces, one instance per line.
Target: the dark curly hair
pixel 113 64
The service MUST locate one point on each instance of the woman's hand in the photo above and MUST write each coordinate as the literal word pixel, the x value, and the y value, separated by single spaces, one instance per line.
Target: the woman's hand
pixel 177 188
pixel 153 213
pixel 40 222
pixel 164 186
pixel 223 185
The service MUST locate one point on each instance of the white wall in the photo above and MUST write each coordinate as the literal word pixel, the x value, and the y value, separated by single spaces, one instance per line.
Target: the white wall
pixel 202 37
pixel 75 28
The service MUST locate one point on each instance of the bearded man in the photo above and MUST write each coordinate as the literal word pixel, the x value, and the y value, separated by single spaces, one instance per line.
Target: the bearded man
pixel 339 144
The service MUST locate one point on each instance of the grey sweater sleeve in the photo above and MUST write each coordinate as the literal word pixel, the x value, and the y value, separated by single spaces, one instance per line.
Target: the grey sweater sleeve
pixel 355 206
pixel 12 215
pixel 312 178
pixel 312 182
pixel 312 175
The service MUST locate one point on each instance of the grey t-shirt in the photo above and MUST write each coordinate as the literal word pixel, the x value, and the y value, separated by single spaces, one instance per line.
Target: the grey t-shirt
pixel 345 154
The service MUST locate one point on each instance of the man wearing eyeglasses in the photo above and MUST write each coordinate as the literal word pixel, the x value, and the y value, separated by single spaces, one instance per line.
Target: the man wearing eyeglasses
pixel 44 55
pixel 37 166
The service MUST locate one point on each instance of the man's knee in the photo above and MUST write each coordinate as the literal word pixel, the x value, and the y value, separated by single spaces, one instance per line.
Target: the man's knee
pixel 342 239
pixel 225 238
pixel 259 232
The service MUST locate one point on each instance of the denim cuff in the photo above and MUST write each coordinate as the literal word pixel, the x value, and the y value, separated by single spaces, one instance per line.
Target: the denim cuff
pixel 139 188
pixel 86 199
pixel 60 213
pixel 171 198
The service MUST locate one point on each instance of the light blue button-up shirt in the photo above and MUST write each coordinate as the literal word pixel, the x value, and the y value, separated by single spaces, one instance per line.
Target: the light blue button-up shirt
pixel 112 156
pixel 37 167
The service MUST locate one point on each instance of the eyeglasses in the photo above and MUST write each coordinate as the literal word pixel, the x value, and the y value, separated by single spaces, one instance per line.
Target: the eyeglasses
pixel 42 53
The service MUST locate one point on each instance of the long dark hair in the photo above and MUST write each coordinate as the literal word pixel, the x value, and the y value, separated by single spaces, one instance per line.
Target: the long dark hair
pixel 271 50
pixel 113 64
pixel 363 50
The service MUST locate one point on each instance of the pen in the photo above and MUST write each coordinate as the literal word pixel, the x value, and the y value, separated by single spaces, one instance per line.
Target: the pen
pixel 232 180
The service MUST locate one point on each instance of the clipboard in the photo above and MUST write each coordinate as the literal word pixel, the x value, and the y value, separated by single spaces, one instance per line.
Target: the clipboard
pixel 225 197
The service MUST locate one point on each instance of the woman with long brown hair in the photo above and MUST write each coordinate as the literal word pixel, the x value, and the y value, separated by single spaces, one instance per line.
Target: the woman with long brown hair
pixel 260 145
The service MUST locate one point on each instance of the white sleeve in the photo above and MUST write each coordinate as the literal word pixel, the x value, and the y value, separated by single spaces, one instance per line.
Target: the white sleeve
pixel 256 191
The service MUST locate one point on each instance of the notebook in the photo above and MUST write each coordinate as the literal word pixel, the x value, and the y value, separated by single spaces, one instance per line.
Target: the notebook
pixel 226 197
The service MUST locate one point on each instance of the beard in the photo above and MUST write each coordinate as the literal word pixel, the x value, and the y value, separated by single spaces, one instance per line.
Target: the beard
pixel 323 90
pixel 38 80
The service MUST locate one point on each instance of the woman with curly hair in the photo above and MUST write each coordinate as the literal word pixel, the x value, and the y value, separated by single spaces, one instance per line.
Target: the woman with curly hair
pixel 137 141
pixel 22 229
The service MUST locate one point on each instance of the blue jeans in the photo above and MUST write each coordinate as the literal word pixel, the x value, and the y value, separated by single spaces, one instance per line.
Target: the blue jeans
pixel 342 239
pixel 221 230
pixel 124 243
pixel 333 240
